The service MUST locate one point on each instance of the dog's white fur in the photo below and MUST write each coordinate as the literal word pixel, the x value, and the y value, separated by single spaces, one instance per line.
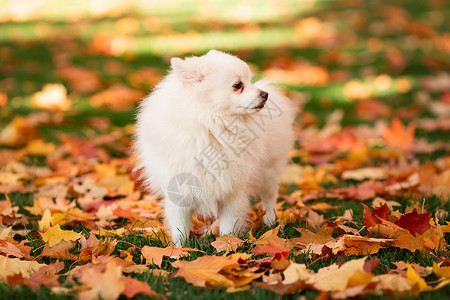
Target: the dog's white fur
pixel 195 122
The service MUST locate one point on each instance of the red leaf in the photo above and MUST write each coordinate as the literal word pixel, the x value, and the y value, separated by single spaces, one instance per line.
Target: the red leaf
pixel 372 216
pixel 415 223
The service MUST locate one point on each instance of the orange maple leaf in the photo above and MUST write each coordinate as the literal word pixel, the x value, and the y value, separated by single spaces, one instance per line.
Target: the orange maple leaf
pixel 154 255
pixel 399 136
pixel 227 243
pixel 205 270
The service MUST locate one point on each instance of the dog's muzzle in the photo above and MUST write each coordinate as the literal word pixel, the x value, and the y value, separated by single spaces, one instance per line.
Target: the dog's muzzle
pixel 264 95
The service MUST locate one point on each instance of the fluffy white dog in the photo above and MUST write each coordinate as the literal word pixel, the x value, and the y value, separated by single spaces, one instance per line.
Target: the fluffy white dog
pixel 208 138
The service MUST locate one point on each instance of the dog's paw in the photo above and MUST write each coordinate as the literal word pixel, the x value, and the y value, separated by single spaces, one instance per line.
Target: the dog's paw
pixel 270 218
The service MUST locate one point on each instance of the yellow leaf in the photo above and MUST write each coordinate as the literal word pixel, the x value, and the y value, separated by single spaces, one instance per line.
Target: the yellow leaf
pixel 55 235
pixel 446 228
pixel 44 223
pixel 39 147
pixel 334 278
pixel 418 281
pixel 441 271
pixel 11 266
pixel 296 272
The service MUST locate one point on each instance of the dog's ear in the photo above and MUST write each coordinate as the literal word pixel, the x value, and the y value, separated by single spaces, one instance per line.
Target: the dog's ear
pixel 212 52
pixel 188 70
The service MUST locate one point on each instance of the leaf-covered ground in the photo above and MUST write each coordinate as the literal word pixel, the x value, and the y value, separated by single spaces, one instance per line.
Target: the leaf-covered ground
pixel 363 206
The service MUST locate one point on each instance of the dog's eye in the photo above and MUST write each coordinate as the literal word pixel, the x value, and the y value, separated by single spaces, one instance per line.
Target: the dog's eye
pixel 239 85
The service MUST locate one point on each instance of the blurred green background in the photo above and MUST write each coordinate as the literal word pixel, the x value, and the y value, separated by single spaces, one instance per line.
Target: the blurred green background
pixel 98 58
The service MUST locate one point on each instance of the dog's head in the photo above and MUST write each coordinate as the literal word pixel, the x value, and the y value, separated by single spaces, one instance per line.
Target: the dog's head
pixel 221 82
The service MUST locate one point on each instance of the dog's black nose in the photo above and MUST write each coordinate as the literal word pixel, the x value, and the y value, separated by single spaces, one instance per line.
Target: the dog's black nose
pixel 264 95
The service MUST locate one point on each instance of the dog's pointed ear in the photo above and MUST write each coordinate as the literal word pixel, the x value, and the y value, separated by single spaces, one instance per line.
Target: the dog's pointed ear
pixel 212 52
pixel 187 70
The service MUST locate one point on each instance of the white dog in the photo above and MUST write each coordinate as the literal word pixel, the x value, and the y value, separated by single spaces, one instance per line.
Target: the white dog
pixel 207 139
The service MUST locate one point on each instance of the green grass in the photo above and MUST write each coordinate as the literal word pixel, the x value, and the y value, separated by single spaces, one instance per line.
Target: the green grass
pixel 30 58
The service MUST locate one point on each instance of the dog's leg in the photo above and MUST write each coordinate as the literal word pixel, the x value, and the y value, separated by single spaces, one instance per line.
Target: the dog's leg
pixel 179 219
pixel 268 194
pixel 233 215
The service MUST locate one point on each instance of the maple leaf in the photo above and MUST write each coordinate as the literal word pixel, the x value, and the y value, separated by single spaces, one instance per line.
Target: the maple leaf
pixel 443 272
pixel 60 251
pixel 296 272
pixel 410 242
pixel 364 173
pixel 205 270
pixel 101 281
pixel 92 247
pixel 55 235
pixel 322 236
pixel 399 136
pixel 418 281
pixel 154 255
pixel 414 222
pixel 45 276
pixel 273 245
pixel 16 249
pixel 372 216
pixel 356 245
pixel 314 219
pixel 284 288
pixel 391 283
pixel 336 278
pixel 11 266
pixel 227 243
pixel 45 222
pixel 134 287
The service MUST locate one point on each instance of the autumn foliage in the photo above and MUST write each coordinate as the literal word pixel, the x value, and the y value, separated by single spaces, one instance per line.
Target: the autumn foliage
pixel 363 204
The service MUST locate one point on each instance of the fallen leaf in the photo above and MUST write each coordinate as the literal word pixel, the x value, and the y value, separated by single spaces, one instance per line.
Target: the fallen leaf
pixel 55 235
pixel 134 287
pixel 227 243
pixel 415 223
pixel 154 255
pixel 11 266
pixel 364 173
pixel 336 278
pixel 204 270
pixel 52 97
pixel 399 136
